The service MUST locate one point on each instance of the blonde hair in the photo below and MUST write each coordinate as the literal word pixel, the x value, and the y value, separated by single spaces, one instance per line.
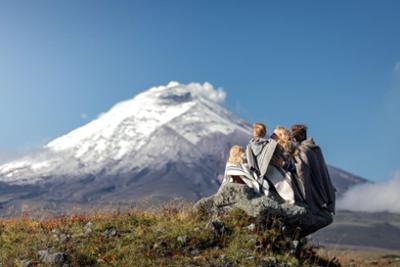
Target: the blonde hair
pixel 259 130
pixel 236 155
pixel 284 136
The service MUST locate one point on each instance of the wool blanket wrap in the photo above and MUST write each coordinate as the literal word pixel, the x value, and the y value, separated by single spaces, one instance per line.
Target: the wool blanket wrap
pixel 249 177
pixel 259 153
pixel 286 184
pixel 312 170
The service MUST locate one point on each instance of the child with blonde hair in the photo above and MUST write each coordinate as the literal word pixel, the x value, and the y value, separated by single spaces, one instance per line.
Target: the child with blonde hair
pixel 237 171
pixel 283 135
pixel 236 155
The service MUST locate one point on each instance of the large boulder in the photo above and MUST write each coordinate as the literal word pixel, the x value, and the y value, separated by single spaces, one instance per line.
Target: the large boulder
pixel 232 195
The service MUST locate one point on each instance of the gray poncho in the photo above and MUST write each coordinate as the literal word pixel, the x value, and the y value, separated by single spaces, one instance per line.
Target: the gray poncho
pixel 259 153
pixel 311 168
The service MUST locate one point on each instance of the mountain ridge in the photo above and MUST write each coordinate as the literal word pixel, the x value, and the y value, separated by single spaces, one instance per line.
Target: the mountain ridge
pixel 167 141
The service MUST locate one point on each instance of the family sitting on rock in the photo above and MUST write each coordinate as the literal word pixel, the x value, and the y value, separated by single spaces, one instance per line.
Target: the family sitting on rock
pixel 284 175
pixel 287 163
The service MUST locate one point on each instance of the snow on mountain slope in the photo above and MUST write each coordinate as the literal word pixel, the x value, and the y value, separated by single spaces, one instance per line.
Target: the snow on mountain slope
pixel 169 141
pixel 116 137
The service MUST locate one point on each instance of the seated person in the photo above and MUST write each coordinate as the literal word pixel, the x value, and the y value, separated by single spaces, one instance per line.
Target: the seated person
pixel 238 171
pixel 312 170
pixel 287 150
pixel 260 151
pixel 264 159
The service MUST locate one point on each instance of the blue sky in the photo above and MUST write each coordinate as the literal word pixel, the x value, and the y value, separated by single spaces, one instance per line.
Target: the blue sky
pixel 334 65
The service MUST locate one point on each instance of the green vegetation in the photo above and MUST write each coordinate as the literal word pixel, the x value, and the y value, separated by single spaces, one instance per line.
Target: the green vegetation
pixel 172 237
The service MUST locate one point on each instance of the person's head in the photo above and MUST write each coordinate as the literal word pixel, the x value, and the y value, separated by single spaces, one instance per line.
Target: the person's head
pixel 259 130
pixel 283 135
pixel 236 155
pixel 299 132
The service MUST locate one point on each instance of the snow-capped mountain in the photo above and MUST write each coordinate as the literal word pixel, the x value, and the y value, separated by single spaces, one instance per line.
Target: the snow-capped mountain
pixel 124 137
pixel 167 141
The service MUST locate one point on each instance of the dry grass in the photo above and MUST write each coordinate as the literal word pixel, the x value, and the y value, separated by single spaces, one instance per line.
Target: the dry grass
pixel 171 237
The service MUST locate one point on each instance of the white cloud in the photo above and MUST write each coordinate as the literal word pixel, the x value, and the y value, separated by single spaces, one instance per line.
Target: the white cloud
pixel 205 90
pixel 84 116
pixel 382 196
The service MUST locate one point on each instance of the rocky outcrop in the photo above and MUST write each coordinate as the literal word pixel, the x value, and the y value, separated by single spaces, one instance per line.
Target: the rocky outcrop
pixel 232 195
pixel 57 258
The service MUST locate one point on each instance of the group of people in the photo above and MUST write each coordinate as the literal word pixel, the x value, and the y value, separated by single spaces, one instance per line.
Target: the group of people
pixel 287 163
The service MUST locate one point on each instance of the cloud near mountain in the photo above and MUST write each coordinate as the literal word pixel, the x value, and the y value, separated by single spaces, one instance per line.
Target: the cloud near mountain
pixel 377 197
pixel 206 90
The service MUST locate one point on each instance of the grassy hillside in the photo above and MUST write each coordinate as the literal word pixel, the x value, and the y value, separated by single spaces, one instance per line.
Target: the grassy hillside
pixel 171 237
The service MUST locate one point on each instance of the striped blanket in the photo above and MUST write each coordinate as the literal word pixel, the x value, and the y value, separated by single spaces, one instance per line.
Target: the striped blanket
pixel 250 178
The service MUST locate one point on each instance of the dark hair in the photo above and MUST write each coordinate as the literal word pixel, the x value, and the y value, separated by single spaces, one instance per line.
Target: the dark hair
pixel 299 132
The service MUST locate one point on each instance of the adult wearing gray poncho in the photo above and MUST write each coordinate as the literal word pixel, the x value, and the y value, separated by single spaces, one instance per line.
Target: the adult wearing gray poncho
pixel 312 169
pixel 262 159
pixel 260 151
